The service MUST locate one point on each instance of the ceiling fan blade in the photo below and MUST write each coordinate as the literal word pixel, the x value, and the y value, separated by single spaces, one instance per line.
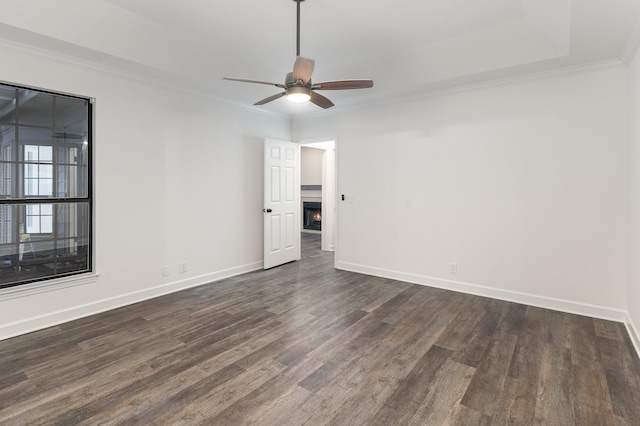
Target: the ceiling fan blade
pixel 282 86
pixel 270 98
pixel 343 85
pixel 320 100
pixel 302 69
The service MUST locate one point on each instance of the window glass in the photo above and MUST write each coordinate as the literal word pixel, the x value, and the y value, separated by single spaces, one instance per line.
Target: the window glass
pixel 45 194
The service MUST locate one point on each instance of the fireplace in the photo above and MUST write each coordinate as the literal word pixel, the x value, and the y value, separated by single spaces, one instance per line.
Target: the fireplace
pixel 312 215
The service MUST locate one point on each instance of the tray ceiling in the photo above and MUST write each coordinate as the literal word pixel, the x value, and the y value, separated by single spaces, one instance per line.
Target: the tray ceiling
pixel 405 47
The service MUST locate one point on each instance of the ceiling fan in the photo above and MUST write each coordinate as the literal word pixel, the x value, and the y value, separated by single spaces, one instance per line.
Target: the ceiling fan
pixel 297 84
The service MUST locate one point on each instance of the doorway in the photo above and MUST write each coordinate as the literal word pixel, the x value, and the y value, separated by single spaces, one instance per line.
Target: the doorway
pixel 318 188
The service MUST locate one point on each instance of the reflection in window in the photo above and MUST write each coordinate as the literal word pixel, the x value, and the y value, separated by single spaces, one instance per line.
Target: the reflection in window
pixel 38 170
pixel 39 218
pixel 38 181
pixel 45 191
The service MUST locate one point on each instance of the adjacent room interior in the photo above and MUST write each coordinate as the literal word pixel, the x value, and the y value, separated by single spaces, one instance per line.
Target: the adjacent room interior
pixel 497 155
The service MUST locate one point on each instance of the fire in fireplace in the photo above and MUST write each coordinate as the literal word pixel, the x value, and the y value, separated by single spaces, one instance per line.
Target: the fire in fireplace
pixel 312 215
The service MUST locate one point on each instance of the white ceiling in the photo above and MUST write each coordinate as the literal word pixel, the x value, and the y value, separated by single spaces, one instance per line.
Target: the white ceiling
pixel 415 45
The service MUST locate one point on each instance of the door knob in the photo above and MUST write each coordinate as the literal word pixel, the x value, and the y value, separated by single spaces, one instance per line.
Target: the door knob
pixel 267 210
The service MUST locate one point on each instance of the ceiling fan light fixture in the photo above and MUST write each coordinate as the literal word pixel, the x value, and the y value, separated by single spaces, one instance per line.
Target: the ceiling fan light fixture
pixel 298 94
pixel 297 84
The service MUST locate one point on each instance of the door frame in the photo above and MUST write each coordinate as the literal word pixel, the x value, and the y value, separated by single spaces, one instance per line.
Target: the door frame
pixel 328 171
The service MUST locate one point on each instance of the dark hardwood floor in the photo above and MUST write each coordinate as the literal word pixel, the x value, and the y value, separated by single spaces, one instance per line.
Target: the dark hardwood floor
pixel 307 344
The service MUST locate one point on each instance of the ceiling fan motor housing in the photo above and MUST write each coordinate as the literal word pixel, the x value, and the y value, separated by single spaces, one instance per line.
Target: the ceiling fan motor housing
pixel 297 84
pixel 290 81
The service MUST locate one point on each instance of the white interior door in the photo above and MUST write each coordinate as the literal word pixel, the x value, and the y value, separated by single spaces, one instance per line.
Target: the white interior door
pixel 281 202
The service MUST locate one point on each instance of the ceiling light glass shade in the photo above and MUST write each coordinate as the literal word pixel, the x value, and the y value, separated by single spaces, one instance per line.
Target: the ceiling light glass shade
pixel 298 94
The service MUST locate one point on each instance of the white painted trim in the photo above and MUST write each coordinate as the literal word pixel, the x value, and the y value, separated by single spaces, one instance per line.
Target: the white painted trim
pixel 634 333
pixel 28 325
pixel 329 188
pixel 631 47
pixel 27 290
pixel 148 79
pixel 519 78
pixel 453 87
pixel 416 93
pixel 567 306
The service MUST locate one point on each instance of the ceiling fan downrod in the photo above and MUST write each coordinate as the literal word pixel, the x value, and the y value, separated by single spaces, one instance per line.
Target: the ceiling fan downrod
pixel 297 85
pixel 298 27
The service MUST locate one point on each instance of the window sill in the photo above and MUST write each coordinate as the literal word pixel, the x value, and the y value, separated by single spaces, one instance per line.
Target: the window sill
pixel 27 290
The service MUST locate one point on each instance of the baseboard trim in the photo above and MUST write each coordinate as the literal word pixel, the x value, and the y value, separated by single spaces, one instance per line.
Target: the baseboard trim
pixel 567 306
pixel 29 325
pixel 632 329
pixel 52 319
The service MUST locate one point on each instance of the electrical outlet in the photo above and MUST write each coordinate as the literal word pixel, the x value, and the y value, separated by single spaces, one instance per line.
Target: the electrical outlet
pixel 453 268
pixel 183 267
pixel 166 270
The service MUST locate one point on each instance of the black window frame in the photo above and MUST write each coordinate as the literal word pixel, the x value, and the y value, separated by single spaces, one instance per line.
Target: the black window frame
pixel 81 202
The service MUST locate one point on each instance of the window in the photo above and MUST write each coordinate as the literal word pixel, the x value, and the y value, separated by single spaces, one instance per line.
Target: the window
pixel 45 185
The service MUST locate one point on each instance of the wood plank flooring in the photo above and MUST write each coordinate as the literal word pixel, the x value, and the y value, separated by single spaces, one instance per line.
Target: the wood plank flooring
pixel 305 344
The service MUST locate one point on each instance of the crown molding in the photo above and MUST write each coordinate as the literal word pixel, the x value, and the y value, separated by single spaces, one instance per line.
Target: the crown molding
pixel 453 87
pixel 631 47
pixel 148 77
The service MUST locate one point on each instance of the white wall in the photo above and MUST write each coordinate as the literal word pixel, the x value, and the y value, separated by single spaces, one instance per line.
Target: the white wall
pixel 177 179
pixel 634 198
pixel 311 166
pixel 522 184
